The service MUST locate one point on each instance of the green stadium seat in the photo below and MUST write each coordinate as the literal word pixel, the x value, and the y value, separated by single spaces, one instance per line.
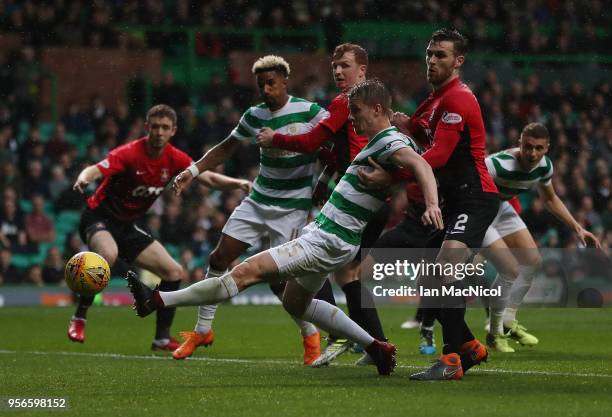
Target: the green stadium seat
pixel 25 205
pixel 72 138
pixel 23 131
pixel 21 261
pixel 87 137
pixel 46 130
pixel 173 250
pixel 60 239
pixel 67 221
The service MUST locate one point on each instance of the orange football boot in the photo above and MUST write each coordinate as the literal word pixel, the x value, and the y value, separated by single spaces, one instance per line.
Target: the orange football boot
pixel 191 341
pixel 447 367
pixel 472 353
pixel 312 348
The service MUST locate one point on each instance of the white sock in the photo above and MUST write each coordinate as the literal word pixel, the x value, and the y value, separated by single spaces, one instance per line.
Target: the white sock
pixel 206 313
pixel 161 342
pixel 306 328
pixel 509 315
pixel 207 291
pixel 498 304
pixel 333 320
pixel 519 290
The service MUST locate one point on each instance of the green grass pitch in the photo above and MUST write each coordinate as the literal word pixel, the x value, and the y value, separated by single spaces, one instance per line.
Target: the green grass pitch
pixel 253 368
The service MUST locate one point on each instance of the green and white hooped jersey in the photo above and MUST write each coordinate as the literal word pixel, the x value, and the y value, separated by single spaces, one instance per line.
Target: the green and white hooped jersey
pixel 511 179
pixel 350 206
pixel 285 178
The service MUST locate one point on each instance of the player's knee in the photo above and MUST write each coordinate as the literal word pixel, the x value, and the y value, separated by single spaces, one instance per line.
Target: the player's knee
pixel 533 259
pixel 509 269
pixel 173 272
pixel 110 254
pixel 245 274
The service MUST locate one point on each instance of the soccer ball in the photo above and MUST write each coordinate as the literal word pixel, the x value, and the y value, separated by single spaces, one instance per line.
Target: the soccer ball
pixel 87 273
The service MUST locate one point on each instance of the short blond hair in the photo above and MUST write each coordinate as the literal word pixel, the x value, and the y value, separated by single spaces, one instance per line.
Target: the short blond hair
pixel 271 63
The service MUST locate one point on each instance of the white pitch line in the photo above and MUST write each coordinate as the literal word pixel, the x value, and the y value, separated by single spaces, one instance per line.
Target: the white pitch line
pixel 279 362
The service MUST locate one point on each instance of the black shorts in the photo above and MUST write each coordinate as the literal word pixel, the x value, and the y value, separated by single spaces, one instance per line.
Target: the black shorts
pixel 468 216
pixel 373 229
pixel 411 233
pixel 131 238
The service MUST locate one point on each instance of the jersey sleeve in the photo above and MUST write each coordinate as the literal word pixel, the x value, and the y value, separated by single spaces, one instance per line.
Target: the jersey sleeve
pixel 306 142
pixel 244 131
pixel 338 114
pixel 547 177
pixel 115 162
pixel 390 148
pixel 448 131
pixel 455 109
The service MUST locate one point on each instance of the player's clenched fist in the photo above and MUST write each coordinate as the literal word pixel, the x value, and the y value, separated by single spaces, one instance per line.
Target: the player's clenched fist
pixel 182 181
pixel 401 121
pixel 245 185
pixel 264 137
pixel 80 185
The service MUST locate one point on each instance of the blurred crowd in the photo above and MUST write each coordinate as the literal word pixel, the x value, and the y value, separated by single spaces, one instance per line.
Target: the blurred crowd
pixel 40 160
pixel 536 26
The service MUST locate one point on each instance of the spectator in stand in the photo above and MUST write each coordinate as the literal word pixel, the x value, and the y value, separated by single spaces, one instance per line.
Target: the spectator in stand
pixel 34 276
pixel 73 245
pixel 170 92
pixel 154 225
pixel 10 177
pixel 8 144
pixel 38 226
pixel 97 111
pixel 29 148
pixel 173 229
pixel 36 181
pixel 12 228
pixel 8 273
pixel 58 183
pixel 9 194
pixel 53 267
pixel 58 144
pixel 27 75
pixel 76 121
pixel 537 219
pixel 188 262
pixel 199 245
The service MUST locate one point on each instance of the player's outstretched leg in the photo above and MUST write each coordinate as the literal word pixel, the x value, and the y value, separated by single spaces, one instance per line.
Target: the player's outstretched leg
pixel 252 271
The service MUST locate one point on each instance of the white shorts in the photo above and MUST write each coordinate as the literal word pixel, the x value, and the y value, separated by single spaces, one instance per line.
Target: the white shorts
pixel 250 221
pixel 505 223
pixel 311 257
